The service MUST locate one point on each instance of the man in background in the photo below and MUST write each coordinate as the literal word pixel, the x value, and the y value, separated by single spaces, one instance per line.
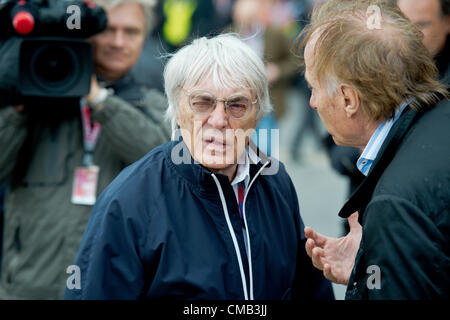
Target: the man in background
pixel 57 163
pixel 432 17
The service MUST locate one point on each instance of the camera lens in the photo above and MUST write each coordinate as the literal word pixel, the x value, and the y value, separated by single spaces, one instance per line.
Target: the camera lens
pixel 51 67
pixel 54 67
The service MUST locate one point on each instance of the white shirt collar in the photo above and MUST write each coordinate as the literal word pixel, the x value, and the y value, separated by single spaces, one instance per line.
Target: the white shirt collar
pixel 243 168
pixel 372 148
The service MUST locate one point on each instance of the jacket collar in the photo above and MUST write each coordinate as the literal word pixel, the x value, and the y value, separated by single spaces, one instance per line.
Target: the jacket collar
pixel 362 195
pixel 179 159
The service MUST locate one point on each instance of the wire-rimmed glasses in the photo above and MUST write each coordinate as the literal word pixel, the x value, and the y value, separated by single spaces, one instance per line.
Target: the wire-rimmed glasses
pixel 238 106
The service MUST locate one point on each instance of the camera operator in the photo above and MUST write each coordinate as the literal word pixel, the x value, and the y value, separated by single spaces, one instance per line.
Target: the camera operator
pixel 57 160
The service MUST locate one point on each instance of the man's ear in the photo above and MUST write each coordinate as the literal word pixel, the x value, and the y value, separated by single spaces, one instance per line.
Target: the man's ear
pixel 350 99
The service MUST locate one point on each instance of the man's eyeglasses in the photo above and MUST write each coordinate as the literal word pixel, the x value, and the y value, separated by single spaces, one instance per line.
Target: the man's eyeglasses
pixel 237 106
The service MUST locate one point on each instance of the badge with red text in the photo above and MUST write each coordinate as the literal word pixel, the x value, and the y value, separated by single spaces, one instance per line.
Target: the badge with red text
pixel 85 185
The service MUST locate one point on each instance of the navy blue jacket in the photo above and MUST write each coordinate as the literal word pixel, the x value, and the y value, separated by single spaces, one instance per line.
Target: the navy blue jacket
pixel 160 231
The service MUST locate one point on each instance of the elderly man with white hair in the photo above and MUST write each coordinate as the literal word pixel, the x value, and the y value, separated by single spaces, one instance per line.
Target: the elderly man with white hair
pixel 205 216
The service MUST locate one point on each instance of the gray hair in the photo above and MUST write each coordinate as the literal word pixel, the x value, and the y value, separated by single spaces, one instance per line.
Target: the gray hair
pixel 230 62
pixel 147 6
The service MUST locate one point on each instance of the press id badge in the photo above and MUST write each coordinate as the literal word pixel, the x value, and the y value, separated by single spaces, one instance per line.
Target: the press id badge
pixel 85 185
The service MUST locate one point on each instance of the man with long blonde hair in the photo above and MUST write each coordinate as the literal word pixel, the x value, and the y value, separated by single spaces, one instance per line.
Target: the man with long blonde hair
pixel 374 85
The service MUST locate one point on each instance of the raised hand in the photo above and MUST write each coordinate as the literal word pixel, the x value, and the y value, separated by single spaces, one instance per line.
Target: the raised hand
pixel 335 256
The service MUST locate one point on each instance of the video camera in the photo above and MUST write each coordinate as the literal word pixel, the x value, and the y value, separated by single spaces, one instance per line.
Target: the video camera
pixel 44 53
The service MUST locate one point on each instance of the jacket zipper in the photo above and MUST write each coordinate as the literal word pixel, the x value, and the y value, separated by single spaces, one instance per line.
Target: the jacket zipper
pixel 233 235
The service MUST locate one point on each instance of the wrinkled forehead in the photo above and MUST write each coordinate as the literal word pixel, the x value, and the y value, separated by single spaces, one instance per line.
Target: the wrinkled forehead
pixel 309 63
pixel 220 84
pixel 311 47
pixel 310 53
